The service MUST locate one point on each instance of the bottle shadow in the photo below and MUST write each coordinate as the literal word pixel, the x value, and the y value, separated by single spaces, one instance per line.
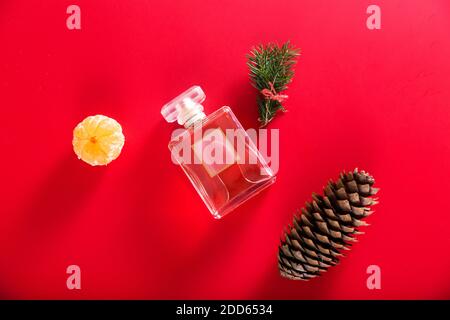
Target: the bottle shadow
pixel 186 240
pixel 215 255
pixel 156 203
pixel 219 238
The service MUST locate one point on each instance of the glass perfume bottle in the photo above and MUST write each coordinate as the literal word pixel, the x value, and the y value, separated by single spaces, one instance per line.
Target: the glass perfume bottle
pixel 216 153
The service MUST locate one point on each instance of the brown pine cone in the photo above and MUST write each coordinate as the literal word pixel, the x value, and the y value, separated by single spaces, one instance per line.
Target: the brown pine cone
pixel 326 226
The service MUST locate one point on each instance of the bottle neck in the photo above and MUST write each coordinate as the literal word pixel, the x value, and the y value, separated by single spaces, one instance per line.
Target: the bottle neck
pixel 189 112
pixel 196 117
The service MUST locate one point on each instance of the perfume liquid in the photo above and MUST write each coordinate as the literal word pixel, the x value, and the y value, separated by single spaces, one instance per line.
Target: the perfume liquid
pixel 215 152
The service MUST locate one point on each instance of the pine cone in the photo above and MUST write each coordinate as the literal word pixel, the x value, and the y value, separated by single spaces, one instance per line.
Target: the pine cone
pixel 326 226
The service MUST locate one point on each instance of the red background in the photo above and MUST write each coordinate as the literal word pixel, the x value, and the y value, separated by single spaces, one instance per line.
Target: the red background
pixel 377 100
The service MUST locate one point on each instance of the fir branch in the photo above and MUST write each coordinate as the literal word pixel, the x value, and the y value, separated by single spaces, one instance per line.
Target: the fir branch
pixel 271 70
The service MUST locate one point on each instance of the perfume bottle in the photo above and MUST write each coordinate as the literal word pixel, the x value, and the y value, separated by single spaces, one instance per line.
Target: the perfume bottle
pixel 216 153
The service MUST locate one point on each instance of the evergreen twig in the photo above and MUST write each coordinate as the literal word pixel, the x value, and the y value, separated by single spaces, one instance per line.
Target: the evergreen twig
pixel 271 70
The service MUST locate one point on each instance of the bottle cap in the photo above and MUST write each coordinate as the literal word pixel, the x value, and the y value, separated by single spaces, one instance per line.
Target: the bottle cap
pixel 186 107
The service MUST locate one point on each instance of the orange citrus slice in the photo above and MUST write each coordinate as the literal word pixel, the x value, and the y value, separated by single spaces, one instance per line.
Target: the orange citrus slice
pixel 98 140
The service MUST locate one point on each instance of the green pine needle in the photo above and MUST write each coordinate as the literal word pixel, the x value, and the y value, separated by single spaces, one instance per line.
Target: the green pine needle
pixel 271 63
